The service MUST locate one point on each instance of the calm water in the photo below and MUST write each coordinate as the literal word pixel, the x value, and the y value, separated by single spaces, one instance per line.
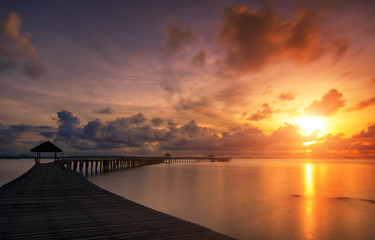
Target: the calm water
pixel 252 199
pixel 13 168
pixel 259 199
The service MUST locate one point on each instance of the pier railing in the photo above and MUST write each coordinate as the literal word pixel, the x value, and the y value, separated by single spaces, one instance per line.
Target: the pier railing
pixel 102 165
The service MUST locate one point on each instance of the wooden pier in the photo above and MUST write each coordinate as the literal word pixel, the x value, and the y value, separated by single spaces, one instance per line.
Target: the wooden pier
pixel 54 202
pixel 101 165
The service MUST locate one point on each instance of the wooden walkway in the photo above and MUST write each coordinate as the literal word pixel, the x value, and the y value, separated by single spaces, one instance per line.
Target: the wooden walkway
pixel 52 202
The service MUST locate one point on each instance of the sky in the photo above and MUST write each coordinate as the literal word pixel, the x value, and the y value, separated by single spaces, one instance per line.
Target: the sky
pixel 231 78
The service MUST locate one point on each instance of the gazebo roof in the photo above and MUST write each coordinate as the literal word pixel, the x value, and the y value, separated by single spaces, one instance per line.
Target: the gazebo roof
pixel 46 147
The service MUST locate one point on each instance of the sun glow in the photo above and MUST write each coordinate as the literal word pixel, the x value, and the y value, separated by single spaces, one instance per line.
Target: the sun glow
pixel 311 124
pixel 309 143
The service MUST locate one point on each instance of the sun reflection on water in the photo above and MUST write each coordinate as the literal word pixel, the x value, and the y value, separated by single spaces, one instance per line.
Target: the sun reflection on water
pixel 309 220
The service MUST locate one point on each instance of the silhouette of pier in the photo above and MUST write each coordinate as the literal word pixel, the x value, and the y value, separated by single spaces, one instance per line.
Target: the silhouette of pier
pixel 54 202
pixel 102 165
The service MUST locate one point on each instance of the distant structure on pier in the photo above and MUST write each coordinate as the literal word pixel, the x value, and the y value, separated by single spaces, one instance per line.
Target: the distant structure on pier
pixel 45 147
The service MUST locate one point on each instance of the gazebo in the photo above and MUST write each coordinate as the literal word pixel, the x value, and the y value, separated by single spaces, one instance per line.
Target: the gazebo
pixel 45 147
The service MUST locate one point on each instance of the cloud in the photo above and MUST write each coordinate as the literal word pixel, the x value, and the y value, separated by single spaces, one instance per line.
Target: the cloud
pixel 199 59
pixel 107 110
pixel 47 134
pixel 157 122
pixel 7 136
pixel 233 93
pixel 69 127
pixel 286 137
pixel 137 134
pixel 289 96
pixel 170 80
pixel 330 104
pixel 16 48
pixel 361 144
pixel 367 133
pixel 363 104
pixel 254 38
pixel 265 113
pixel 287 133
pixel 11 137
pixel 302 37
pixel 177 36
pixel 339 47
pixel 248 37
pixel 186 104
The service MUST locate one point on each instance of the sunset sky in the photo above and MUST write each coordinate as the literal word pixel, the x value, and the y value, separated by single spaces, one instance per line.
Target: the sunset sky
pixel 238 78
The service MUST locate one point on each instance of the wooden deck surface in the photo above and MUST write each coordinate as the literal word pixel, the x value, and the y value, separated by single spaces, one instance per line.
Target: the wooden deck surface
pixel 50 202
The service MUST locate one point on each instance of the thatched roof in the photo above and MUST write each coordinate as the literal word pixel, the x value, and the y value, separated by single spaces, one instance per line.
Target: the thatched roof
pixel 46 147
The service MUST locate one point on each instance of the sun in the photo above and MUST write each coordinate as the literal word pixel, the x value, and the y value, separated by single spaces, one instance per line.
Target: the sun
pixel 309 125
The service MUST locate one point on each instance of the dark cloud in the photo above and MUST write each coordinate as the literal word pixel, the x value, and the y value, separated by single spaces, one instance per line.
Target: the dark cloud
pixel 138 119
pixel 289 96
pixel 11 135
pixel 265 113
pixel 93 130
pixel 363 104
pixel 177 36
pixel 68 130
pixel 47 134
pixel 21 128
pixel 137 134
pixel 157 122
pixel 253 39
pixel 16 48
pixel 107 110
pixel 248 37
pixel 7 136
pixel 330 104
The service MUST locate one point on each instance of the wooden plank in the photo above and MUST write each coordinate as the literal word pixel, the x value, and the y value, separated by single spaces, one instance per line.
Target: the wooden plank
pixel 52 202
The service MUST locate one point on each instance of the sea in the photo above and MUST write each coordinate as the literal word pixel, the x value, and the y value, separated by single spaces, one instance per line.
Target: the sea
pixel 251 198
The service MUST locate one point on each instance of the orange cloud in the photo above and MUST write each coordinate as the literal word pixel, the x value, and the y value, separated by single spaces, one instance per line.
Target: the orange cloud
pixel 254 38
pixel 303 38
pixel 330 103
pixel 265 113
pixel 363 104
pixel 16 48
pixel 289 96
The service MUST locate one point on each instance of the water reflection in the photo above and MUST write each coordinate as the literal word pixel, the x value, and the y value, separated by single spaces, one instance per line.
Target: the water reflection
pixel 309 218
pixel 309 180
